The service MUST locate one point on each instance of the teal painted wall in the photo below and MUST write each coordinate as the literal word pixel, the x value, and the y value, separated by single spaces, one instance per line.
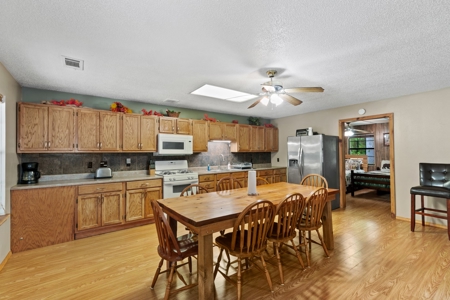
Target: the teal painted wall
pixel 37 95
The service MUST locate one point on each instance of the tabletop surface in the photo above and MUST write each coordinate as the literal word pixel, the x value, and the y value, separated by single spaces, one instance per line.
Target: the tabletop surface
pixel 203 209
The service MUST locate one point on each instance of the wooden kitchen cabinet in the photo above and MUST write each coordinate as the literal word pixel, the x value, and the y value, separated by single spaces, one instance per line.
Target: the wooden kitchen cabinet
pixel 42 217
pixel 222 131
pixel 243 139
pixel 99 205
pixel 175 125
pixel 279 175
pixel 98 130
pixel 208 181
pixel 257 139
pixel 43 128
pixel 139 196
pixel 241 177
pixel 271 139
pixel 266 174
pixel 200 133
pixel 139 133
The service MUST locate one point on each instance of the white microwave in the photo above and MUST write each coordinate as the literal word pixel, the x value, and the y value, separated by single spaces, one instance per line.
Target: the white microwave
pixel 174 144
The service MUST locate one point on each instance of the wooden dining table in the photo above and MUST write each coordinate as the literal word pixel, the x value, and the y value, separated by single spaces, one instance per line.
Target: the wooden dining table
pixel 208 213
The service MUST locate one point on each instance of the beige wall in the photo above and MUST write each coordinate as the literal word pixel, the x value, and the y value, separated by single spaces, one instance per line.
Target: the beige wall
pixel 11 89
pixel 420 126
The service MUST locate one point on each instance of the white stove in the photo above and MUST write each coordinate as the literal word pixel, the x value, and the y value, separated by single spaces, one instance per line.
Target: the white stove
pixel 176 176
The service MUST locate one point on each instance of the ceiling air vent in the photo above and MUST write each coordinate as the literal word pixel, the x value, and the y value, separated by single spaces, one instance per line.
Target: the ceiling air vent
pixel 73 63
pixel 171 100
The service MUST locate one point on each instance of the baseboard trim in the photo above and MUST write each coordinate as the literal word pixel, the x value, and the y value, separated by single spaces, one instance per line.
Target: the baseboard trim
pixel 5 260
pixel 420 222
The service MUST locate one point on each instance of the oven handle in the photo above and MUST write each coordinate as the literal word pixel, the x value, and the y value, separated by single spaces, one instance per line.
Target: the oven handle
pixel 181 182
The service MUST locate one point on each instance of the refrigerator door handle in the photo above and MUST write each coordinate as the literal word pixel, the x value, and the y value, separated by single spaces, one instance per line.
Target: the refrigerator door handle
pixel 300 165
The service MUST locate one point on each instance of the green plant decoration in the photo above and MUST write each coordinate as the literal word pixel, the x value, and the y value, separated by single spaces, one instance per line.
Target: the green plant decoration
pixel 254 121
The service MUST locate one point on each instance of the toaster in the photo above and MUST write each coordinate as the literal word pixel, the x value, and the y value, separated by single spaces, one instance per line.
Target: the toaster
pixel 103 173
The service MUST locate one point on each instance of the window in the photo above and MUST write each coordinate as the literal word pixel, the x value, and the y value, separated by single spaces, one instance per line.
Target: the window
pixel 363 145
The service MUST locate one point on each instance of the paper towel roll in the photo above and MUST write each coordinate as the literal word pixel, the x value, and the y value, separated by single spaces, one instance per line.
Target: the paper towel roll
pixel 252 183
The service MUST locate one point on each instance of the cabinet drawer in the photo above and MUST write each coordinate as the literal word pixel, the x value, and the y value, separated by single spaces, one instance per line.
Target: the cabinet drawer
pixel 208 177
pixel 210 185
pixel 140 184
pixel 222 175
pixel 279 171
pixel 239 175
pixel 265 173
pixel 99 188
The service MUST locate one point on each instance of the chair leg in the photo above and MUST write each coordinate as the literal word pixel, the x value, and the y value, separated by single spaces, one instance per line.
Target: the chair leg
pixel 309 240
pixel 421 203
pixel 448 218
pixel 158 270
pixel 323 244
pixel 280 268
pixel 169 281
pixel 413 212
pixel 218 263
pixel 239 280
pixel 305 242
pixel 269 280
pixel 299 257
pixel 190 264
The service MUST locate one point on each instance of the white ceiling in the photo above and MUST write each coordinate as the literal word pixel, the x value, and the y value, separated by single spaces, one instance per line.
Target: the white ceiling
pixel 149 51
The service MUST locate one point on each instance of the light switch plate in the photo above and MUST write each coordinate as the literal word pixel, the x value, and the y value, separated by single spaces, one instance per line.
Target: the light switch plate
pixel 128 162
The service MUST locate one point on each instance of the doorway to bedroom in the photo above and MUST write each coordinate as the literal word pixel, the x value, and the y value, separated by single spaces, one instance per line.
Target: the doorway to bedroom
pixel 366 154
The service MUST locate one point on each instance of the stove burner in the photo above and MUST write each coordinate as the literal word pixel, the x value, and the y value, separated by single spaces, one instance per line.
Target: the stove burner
pixel 184 171
pixel 167 173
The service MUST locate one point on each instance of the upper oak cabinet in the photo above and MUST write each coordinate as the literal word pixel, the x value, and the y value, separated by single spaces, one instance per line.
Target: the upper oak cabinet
pixel 139 133
pixel 243 139
pixel 98 130
pixel 43 128
pixel 222 131
pixel 200 135
pixel 174 125
pixel 257 139
pixel 271 139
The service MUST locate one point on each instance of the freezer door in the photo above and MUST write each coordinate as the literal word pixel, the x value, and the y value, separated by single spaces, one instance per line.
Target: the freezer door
pixel 312 157
pixel 293 152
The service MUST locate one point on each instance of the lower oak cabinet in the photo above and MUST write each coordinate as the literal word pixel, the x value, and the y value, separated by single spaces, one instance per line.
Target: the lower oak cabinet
pixel 139 196
pixel 42 217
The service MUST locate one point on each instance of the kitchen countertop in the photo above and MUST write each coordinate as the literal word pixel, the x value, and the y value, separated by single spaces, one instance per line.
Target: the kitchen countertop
pixel 48 181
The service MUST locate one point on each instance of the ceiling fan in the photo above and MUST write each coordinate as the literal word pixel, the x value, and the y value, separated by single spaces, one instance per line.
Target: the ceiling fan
pixel 350 131
pixel 274 92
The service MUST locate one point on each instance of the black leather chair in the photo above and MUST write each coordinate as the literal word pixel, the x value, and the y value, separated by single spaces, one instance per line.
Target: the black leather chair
pixel 434 182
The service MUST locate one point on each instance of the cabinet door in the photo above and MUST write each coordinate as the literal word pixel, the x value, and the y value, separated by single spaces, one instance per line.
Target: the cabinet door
pixel 200 134
pixel 167 125
pixel 148 133
pixel 230 131
pixel 33 122
pixel 89 211
pixel 87 130
pixel 257 139
pixel 184 126
pixel 244 138
pixel 112 209
pixel 60 129
pixel 275 139
pixel 135 205
pixel 131 132
pixel 215 131
pixel 151 194
pixel 109 131
pixel 271 139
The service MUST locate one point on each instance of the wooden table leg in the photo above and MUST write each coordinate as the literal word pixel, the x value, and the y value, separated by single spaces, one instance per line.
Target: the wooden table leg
pixel 327 224
pixel 413 212
pixel 205 267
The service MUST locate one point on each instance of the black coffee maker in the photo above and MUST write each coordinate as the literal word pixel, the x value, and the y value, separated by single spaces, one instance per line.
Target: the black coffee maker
pixel 28 173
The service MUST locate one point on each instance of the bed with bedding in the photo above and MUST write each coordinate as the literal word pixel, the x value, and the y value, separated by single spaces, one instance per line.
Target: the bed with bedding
pixel 378 180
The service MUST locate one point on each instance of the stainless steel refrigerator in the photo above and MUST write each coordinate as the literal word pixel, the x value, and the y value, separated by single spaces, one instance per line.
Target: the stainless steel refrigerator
pixel 314 154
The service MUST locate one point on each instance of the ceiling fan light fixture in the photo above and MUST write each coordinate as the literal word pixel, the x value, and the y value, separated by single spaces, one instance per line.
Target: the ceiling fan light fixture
pixel 264 101
pixel 349 132
pixel 275 99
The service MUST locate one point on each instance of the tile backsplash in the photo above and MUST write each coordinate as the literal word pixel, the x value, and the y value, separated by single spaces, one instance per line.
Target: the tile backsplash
pixel 59 163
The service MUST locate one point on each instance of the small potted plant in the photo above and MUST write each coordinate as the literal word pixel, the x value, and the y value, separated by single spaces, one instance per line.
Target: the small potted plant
pixel 254 121
pixel 172 113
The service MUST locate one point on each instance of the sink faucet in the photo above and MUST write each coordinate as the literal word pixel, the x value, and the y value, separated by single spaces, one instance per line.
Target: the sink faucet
pixel 223 160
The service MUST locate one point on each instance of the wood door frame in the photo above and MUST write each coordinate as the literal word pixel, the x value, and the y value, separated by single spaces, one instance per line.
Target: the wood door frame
pixel 390 117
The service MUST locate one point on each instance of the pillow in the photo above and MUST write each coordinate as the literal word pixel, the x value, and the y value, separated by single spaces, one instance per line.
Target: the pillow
pixel 385 165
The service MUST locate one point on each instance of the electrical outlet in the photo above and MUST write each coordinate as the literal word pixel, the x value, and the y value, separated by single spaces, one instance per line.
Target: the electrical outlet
pixel 278 160
pixel 128 161
pixel 90 164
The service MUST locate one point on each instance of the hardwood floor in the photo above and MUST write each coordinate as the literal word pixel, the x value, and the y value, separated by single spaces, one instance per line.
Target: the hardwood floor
pixel 375 257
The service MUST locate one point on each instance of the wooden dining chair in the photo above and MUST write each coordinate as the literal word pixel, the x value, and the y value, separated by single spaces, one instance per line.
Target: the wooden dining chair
pixel 283 228
pixel 248 239
pixel 173 250
pixel 193 189
pixel 261 181
pixel 315 180
pixel 228 183
pixel 312 220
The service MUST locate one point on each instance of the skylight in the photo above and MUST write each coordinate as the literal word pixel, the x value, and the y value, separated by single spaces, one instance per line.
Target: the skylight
pixel 223 93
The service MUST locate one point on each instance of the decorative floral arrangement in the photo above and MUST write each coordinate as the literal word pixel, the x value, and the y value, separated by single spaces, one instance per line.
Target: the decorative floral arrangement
pixel 209 119
pixel 119 107
pixel 235 122
pixel 268 125
pixel 70 102
pixel 254 121
pixel 151 112
pixel 172 113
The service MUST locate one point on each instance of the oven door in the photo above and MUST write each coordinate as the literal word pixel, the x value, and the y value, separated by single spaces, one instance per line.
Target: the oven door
pixel 173 189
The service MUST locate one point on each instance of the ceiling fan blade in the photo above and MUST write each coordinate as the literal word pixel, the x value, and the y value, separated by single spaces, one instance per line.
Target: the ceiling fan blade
pixel 290 99
pixel 360 130
pixel 256 102
pixel 317 89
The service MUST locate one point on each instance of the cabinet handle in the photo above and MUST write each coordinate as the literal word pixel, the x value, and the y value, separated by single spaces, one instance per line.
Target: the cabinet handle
pixel 100 145
pixel 45 144
pixel 144 184
pixel 103 199
pixel 173 128
pixel 48 144
pixel 98 199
